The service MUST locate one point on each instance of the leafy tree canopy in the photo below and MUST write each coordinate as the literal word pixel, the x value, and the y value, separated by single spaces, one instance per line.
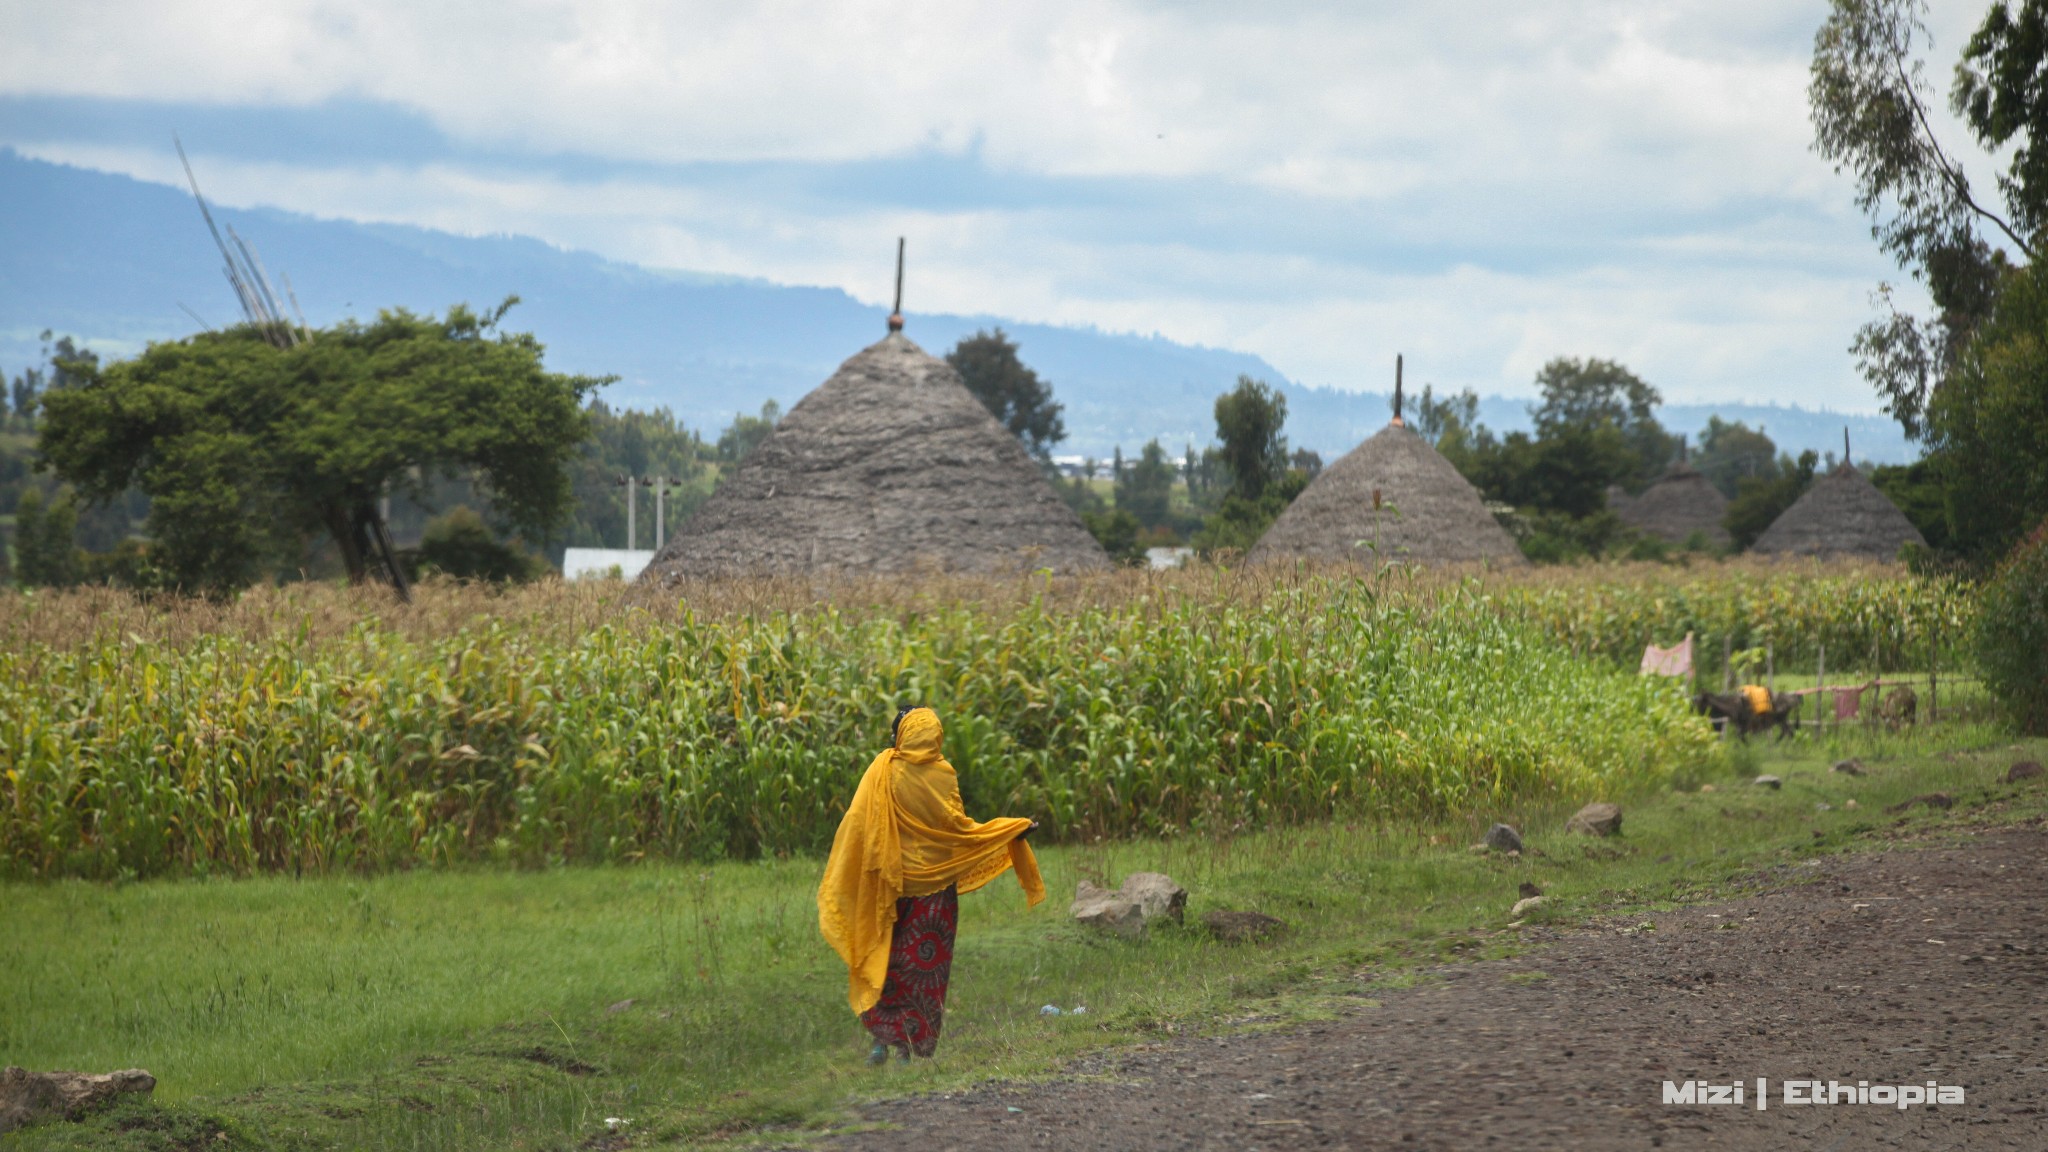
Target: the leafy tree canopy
pixel 988 362
pixel 1871 110
pixel 1144 487
pixel 1987 425
pixel 1248 422
pixel 246 448
pixel 1730 450
pixel 746 433
pixel 1580 398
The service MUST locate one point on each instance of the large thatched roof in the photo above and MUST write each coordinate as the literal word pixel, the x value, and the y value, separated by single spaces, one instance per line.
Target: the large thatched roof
pixel 891 465
pixel 1842 514
pixel 1679 504
pixel 1435 517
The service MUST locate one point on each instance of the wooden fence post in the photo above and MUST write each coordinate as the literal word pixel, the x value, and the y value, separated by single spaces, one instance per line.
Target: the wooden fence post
pixel 1820 688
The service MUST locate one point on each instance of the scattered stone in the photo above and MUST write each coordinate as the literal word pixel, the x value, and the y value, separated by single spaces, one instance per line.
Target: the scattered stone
pixel 1849 767
pixel 2024 770
pixel 620 1006
pixel 1530 889
pixel 1157 895
pixel 1931 800
pixel 1241 927
pixel 1851 805
pixel 1109 911
pixel 1503 838
pixel 1595 820
pixel 1143 898
pixel 1049 1010
pixel 26 1097
pixel 1524 906
pixel 1706 787
pixel 1768 781
pixel 1823 806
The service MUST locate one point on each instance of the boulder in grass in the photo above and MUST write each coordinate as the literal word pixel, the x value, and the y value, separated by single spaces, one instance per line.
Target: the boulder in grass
pixel 1771 782
pixel 1849 767
pixel 1503 838
pixel 1108 911
pixel 26 1097
pixel 1233 927
pixel 2024 770
pixel 1525 905
pixel 1158 897
pixel 1595 820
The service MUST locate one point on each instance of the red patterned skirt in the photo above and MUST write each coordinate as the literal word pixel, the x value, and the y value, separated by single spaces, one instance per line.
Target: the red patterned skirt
pixel 913 1002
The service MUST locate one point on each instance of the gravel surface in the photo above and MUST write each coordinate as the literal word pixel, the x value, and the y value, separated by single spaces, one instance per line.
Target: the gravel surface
pixel 1897 966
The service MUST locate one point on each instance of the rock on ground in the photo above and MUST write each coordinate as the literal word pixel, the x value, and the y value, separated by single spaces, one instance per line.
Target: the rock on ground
pixel 1503 838
pixel 1128 911
pixel 26 1097
pixel 1769 781
pixel 1109 911
pixel 1849 767
pixel 1595 820
pixel 1524 906
pixel 2023 770
pixel 1158 897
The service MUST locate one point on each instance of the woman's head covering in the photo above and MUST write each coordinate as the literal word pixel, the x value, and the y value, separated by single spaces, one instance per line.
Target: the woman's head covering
pixel 906 834
pixel 897 723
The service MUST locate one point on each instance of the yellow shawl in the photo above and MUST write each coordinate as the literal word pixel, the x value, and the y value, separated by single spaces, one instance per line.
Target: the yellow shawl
pixel 907 834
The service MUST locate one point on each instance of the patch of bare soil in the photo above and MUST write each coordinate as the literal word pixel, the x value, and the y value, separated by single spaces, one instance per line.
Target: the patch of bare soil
pixel 1894 967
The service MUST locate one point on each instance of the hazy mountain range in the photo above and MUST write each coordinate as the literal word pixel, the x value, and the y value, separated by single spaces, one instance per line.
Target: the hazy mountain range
pixel 116 262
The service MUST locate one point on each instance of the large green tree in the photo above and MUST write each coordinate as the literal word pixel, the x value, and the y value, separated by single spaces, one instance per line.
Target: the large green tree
pixel 1249 418
pixel 246 449
pixel 1144 487
pixel 1987 425
pixel 1872 112
pixel 1012 392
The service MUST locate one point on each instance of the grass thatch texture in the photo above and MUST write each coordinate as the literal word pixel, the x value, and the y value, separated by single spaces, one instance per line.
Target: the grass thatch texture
pixel 1870 617
pixel 1177 710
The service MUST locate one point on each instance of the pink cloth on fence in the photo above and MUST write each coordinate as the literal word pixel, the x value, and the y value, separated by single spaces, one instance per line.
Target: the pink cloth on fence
pixel 1848 702
pixel 1672 661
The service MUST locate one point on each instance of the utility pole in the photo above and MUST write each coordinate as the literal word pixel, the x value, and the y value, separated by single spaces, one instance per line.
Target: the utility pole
pixel 632 527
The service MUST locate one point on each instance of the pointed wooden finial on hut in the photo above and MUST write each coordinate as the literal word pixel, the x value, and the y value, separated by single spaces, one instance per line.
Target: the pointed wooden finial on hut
pixel 896 313
pixel 1845 445
pixel 1397 391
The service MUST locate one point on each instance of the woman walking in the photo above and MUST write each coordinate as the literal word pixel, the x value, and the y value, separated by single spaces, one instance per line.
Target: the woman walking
pixel 890 900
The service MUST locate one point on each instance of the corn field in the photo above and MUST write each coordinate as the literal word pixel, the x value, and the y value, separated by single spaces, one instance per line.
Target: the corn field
pixel 136 746
pixel 1868 619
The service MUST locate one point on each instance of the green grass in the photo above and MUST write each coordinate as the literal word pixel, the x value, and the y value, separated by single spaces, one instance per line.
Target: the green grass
pixel 467 1008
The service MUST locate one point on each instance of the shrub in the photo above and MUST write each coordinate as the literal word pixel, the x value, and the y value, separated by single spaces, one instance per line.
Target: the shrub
pixel 2012 633
pixel 461 545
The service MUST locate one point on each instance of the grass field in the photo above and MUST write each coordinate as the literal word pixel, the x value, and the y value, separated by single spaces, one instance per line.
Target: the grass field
pixel 469 1007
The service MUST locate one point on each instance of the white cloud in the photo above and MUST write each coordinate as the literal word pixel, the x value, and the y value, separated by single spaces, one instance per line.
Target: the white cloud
pixel 1585 176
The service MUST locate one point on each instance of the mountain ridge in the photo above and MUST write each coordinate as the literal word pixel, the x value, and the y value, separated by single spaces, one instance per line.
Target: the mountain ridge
pixel 114 261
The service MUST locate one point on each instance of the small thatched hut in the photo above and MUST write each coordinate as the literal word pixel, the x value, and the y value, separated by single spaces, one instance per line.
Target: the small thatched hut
pixel 1680 504
pixel 1429 514
pixel 1843 514
pixel 891 465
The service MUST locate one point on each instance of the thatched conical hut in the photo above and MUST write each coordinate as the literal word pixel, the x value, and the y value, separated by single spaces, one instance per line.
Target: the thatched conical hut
pixel 1428 513
pixel 891 465
pixel 1843 514
pixel 1681 503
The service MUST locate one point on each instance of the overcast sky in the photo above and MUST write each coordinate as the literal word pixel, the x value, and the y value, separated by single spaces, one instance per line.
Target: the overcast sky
pixel 1481 185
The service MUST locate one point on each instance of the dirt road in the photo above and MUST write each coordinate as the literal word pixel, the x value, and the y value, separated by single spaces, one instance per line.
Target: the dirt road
pixel 1893 967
